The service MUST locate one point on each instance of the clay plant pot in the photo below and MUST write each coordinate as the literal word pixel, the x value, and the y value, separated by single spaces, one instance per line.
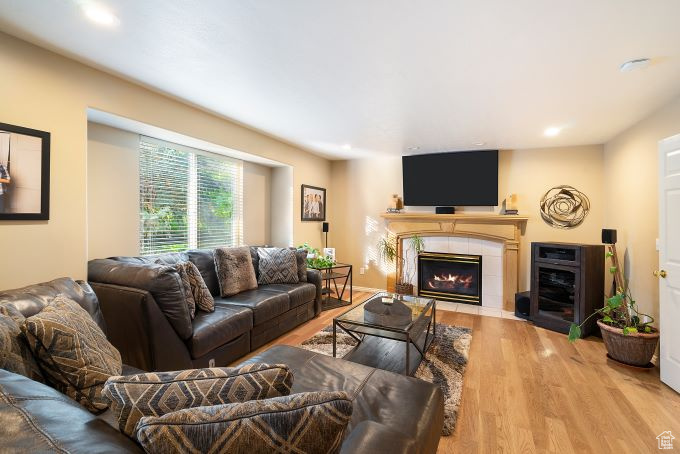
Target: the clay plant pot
pixel 403 289
pixel 635 349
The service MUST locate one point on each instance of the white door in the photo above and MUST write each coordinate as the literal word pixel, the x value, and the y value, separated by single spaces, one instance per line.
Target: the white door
pixel 669 260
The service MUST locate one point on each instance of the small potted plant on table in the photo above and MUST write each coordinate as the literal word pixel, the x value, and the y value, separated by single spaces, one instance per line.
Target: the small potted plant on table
pixel 388 249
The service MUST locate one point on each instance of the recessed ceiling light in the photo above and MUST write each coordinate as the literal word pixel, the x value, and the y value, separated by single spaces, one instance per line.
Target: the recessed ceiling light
pixel 552 131
pixel 479 144
pixel 100 15
pixel 347 147
pixel 631 65
pixel 413 148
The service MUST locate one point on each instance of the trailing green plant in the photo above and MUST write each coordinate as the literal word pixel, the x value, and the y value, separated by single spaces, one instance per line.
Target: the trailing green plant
pixel 619 311
pixel 314 257
pixel 389 252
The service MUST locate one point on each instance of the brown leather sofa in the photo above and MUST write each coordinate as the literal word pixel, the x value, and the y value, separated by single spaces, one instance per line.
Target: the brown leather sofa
pixel 149 323
pixel 391 413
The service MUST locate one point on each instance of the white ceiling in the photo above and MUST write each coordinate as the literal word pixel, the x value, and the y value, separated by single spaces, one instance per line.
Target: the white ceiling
pixel 385 75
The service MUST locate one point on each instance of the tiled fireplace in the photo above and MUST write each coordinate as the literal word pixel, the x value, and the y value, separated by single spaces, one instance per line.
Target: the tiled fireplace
pixel 450 277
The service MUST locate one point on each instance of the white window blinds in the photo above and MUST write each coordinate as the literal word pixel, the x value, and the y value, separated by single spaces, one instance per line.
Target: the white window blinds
pixel 188 198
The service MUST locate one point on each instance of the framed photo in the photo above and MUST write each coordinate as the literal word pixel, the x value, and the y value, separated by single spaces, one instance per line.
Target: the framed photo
pixel 24 173
pixel 313 204
pixel 329 252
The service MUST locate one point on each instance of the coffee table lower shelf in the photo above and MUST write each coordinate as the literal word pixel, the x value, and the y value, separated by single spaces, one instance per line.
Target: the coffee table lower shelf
pixel 389 354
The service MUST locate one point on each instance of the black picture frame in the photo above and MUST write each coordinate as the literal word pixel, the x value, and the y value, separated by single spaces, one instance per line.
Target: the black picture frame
pixel 306 212
pixel 43 214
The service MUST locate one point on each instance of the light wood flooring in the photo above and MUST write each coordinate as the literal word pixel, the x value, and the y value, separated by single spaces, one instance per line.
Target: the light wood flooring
pixel 528 390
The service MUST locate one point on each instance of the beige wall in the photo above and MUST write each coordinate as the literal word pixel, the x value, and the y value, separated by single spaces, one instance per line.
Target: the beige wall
pixel 361 190
pixel 113 194
pixel 631 177
pixel 42 90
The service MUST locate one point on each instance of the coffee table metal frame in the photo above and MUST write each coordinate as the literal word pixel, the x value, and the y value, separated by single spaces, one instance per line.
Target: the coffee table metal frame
pixel 359 330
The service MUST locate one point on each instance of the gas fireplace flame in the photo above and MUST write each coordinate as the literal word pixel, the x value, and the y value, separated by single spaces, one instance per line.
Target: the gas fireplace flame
pixel 450 281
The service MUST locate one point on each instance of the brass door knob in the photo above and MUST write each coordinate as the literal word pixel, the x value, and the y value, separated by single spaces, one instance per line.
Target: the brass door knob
pixel 660 273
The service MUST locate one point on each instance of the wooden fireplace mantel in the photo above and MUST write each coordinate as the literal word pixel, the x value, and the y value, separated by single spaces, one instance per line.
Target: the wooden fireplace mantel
pixel 507 229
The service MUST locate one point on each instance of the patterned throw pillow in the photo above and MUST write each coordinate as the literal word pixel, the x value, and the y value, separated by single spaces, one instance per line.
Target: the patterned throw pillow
pixel 302 423
pixel 15 355
pixel 155 394
pixel 202 297
pixel 235 271
pixel 182 270
pixel 301 259
pixel 277 266
pixel 72 352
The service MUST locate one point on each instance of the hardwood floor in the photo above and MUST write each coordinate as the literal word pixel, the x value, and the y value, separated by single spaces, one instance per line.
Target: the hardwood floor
pixel 527 390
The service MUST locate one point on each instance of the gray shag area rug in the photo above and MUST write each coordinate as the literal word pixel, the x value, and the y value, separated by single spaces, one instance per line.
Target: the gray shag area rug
pixel 444 362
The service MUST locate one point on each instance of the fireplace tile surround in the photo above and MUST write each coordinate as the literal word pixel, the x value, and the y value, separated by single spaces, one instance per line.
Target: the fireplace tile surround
pixel 495 237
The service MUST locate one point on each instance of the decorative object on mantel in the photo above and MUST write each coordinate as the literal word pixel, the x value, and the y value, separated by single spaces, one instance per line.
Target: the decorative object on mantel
pixel 389 252
pixel 628 334
pixel 24 173
pixel 396 204
pixel 444 364
pixel 510 204
pixel 564 207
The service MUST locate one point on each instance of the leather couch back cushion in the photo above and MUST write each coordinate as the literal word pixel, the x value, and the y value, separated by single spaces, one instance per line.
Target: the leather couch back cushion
pixel 163 282
pixel 204 260
pixel 32 299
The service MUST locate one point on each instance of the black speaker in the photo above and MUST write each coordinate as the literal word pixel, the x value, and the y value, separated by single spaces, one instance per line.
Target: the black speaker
pixel 523 305
pixel 445 210
pixel 324 227
pixel 609 236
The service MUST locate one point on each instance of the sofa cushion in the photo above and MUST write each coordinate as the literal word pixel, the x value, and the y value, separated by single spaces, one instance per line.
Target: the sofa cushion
pixel 72 351
pixel 36 418
pixel 162 281
pixel 378 395
pixel 310 423
pixel 214 329
pixel 32 299
pixel 301 260
pixel 201 293
pixel 182 270
pixel 159 393
pixel 299 294
pixel 265 305
pixel 15 354
pixel 235 271
pixel 277 266
pixel 204 259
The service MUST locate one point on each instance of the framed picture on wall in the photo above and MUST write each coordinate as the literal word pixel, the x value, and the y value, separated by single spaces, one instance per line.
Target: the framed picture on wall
pixel 313 204
pixel 24 173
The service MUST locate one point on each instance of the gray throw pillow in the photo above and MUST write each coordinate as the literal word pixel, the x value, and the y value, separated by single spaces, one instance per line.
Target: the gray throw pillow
pixel 301 258
pixel 277 266
pixel 309 423
pixel 235 271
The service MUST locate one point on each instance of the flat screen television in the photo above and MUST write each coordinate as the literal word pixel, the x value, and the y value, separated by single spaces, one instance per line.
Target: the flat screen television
pixel 461 178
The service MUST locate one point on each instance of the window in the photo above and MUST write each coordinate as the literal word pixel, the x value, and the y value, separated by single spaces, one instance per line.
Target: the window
pixel 188 198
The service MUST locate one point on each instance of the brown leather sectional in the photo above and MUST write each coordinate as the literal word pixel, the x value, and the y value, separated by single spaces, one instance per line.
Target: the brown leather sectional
pixel 150 325
pixel 391 413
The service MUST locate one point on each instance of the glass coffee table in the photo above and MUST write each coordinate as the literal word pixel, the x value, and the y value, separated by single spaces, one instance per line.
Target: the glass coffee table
pixel 393 331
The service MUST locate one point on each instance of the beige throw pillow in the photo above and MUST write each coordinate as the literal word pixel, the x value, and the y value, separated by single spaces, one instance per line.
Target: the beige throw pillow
pixel 235 271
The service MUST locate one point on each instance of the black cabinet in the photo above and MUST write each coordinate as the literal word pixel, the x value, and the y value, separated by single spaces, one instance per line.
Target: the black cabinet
pixel 567 284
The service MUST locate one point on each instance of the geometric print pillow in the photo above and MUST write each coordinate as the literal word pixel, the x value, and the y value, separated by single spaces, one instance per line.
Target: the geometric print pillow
pixel 300 423
pixel 159 393
pixel 202 296
pixel 15 355
pixel 73 352
pixel 277 266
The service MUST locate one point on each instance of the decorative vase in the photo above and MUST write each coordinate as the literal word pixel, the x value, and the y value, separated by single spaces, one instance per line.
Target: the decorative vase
pixel 403 288
pixel 634 349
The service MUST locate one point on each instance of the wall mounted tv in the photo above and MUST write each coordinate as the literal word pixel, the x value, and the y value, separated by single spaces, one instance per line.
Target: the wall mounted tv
pixel 461 178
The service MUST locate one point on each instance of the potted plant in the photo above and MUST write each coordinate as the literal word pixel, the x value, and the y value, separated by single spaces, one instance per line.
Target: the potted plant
pixel 315 259
pixel 388 250
pixel 628 334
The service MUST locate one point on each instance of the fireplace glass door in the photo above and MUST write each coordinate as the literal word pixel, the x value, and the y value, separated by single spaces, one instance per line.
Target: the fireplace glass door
pixel 450 277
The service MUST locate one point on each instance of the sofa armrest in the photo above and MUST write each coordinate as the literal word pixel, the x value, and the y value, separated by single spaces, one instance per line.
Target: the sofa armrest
pixel 139 330
pixel 314 277
pixel 371 437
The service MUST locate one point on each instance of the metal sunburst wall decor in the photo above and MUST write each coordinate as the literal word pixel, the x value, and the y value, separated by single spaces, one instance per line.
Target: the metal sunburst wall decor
pixel 564 207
